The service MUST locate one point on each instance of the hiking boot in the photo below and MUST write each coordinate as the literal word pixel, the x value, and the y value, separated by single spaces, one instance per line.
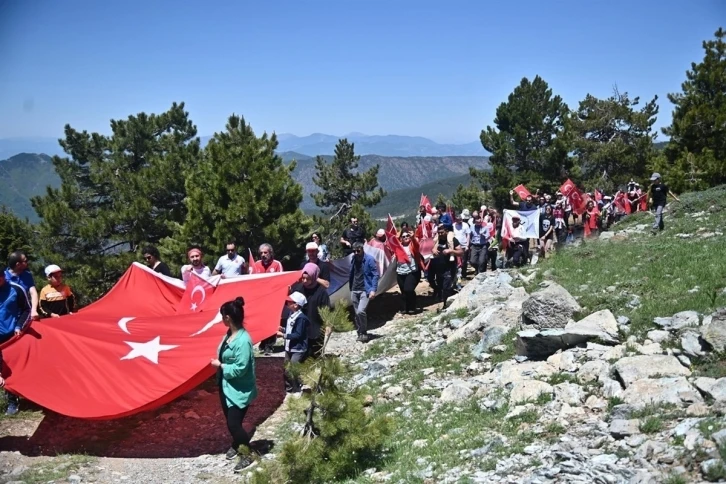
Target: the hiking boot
pixel 231 453
pixel 12 408
pixel 363 338
pixel 243 463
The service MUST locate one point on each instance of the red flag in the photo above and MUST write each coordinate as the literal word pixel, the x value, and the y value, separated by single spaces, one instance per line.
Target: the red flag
pixel 567 187
pixel 621 201
pixel 426 203
pixel 130 351
pixel 392 242
pixel 196 292
pixel 522 192
pixel 578 200
pixel 251 263
pixel 644 202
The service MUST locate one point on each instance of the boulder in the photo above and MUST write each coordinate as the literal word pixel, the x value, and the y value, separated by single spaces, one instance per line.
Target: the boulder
pixel 677 391
pixel 633 368
pixel 476 324
pixel 681 320
pixel 512 372
pixel 659 335
pixel 456 393
pixel 601 325
pixel 528 390
pixel 551 307
pixel 620 428
pixel 595 370
pixel 714 330
pixel 691 343
pixel 569 393
pixel 611 388
pixel 715 389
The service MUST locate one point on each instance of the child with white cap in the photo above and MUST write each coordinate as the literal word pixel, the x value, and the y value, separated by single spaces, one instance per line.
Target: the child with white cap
pixel 295 334
pixel 56 299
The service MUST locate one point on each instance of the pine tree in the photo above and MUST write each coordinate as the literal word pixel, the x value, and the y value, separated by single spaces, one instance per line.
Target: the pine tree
pixel 15 234
pixel 613 141
pixel 529 143
pixel 469 196
pixel 345 192
pixel 116 193
pixel 699 121
pixel 339 438
pixel 241 190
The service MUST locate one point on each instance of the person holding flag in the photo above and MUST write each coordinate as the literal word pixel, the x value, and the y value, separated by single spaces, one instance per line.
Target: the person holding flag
pixel 408 274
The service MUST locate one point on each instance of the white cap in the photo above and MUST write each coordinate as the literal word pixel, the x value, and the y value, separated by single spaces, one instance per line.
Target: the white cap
pixel 465 214
pixel 311 246
pixel 297 298
pixel 380 233
pixel 51 269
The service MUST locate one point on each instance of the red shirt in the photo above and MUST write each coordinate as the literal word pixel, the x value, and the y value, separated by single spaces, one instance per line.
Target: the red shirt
pixel 275 266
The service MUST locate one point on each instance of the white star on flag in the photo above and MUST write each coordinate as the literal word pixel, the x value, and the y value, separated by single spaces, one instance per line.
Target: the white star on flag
pixel 194 306
pixel 149 350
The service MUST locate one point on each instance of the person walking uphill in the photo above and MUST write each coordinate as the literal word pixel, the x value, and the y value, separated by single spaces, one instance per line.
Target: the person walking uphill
pixel 363 284
pixel 235 365
pixel 658 198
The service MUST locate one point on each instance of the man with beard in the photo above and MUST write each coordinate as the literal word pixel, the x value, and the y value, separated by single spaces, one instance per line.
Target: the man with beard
pixel 232 264
pixel 323 278
pixel 197 265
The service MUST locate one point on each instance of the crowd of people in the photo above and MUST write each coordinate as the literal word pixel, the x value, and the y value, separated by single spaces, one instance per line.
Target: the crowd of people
pixel 440 247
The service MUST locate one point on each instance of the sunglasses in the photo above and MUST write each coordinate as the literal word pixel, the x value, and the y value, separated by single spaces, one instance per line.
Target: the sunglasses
pixel 148 257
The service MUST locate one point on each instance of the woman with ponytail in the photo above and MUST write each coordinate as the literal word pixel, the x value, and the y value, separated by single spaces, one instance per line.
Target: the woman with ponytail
pixel 235 365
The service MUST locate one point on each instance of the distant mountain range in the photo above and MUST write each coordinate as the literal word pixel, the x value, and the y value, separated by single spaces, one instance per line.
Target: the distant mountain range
pixel 27 174
pixel 315 144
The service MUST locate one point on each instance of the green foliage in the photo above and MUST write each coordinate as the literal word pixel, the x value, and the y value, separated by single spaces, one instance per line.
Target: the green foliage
pixel 696 154
pixel 116 192
pixel 345 192
pixel 15 234
pixel 613 141
pixel 241 190
pixel 339 437
pixel 469 196
pixel 528 142
pixel 651 425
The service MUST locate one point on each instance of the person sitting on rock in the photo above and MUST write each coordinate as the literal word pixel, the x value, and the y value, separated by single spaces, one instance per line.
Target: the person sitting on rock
pixel 518 246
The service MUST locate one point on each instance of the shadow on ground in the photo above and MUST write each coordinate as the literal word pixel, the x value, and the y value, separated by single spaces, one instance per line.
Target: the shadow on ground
pixel 190 426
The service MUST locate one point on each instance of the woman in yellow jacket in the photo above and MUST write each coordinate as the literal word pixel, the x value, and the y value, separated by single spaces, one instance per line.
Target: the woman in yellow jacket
pixel 235 365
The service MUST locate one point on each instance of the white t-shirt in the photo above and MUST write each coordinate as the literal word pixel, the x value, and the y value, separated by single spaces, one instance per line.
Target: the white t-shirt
pixel 462 233
pixel 230 267
pixel 204 272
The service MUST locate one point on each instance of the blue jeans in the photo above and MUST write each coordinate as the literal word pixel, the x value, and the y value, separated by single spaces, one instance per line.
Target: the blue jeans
pixel 658 223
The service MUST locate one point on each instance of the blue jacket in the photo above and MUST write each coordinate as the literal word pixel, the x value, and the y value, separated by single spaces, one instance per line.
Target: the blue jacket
pixel 370 273
pixel 14 308
pixel 296 334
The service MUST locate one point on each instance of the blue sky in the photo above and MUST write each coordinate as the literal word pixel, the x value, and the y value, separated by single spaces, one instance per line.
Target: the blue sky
pixel 426 68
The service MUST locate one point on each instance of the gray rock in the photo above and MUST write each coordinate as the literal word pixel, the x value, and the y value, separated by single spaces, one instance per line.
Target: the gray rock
pixel 685 426
pixel 659 335
pixel 691 344
pixel 606 235
pixel 711 465
pixel 611 388
pixel 551 307
pixel 681 320
pixel 433 346
pixel 685 361
pixel 720 438
pixel 714 330
pixel 624 428
pixel 717 390
pixel 74 478
pixel 393 392
pixel 622 411
pixel 569 393
pixel 491 337
pixel 455 393
pixel 623 320
pixel 677 391
pixel 593 370
pixel 632 368
pixel 601 324
pixel 456 323
pixel 528 390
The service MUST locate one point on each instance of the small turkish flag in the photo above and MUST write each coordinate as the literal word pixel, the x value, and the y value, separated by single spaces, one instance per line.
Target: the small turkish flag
pixel 424 202
pixel 522 192
pixel 196 294
pixel 567 187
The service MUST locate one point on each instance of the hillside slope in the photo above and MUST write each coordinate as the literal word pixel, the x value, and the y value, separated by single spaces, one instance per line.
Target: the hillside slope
pixel 22 177
pixel 26 175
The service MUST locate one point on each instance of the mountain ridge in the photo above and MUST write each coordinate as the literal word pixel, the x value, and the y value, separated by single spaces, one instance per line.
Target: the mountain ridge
pixel 310 145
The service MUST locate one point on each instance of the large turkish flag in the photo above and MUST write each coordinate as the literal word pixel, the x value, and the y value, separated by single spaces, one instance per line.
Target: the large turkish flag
pixel 138 347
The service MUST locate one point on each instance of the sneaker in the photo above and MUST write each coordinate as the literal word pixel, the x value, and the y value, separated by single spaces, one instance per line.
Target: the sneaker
pixel 363 338
pixel 12 408
pixel 231 453
pixel 243 463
